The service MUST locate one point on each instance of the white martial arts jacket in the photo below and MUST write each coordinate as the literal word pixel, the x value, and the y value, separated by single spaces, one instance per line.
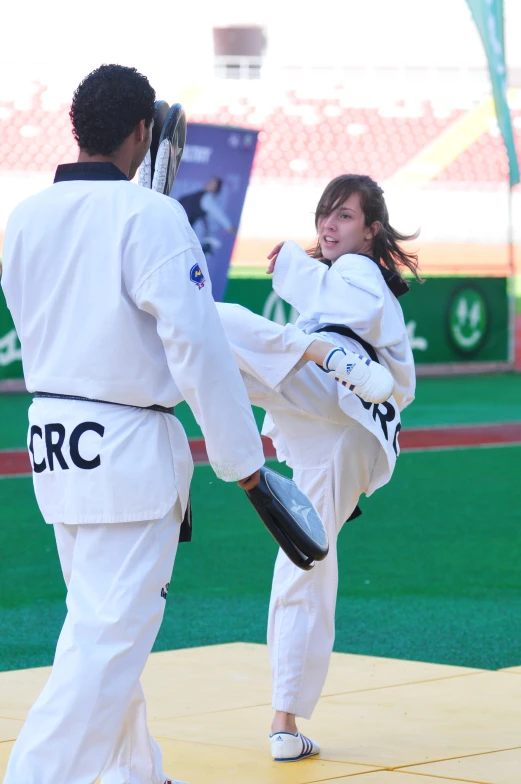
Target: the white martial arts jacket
pixel 110 295
pixel 353 292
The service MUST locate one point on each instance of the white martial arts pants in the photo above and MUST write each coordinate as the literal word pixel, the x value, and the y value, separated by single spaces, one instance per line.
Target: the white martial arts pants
pixel 90 718
pixel 332 465
pixel 333 457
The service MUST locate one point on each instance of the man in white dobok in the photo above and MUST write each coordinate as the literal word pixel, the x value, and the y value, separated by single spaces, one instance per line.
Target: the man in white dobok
pixel 109 291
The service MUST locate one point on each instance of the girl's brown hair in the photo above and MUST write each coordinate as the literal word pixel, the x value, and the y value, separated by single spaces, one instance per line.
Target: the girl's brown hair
pixel 386 248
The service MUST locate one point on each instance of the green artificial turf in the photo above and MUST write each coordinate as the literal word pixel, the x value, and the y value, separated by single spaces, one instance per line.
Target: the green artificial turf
pixel 431 571
pixel 465 400
pixel 439 401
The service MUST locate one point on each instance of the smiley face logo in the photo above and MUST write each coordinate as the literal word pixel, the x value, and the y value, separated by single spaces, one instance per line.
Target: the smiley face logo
pixel 468 320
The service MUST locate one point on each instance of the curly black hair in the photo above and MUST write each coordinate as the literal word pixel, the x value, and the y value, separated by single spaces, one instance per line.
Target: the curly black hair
pixel 107 105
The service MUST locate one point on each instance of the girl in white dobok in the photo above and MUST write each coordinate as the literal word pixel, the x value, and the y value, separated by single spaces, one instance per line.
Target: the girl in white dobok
pixel 339 438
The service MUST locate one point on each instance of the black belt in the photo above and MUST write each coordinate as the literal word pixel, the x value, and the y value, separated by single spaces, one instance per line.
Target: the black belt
pixel 155 407
pixel 185 534
pixel 340 329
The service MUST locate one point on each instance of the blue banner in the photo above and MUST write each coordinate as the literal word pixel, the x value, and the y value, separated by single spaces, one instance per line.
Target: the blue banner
pixel 211 185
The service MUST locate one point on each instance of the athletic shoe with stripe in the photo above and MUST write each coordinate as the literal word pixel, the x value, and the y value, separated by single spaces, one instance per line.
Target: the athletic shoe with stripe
pixel 286 747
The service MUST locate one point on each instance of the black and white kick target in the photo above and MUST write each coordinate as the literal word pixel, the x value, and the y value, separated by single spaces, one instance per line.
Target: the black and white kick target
pixel 159 168
pixel 290 517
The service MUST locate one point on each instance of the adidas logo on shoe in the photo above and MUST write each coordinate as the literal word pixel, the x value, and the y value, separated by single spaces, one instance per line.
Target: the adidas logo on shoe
pixel 286 747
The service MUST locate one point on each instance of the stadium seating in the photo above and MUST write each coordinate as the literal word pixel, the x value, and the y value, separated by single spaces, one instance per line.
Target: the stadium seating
pixel 301 137
pixel 317 139
pixel 34 139
pixel 484 162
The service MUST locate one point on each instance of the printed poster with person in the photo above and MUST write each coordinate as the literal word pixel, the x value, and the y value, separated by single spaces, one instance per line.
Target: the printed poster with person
pixel 211 186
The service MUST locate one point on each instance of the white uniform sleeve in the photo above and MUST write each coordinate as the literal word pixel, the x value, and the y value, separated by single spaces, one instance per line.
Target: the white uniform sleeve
pixel 351 292
pixel 201 362
pixel 209 205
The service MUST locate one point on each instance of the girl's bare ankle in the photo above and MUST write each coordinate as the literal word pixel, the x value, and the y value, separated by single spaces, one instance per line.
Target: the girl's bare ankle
pixel 284 722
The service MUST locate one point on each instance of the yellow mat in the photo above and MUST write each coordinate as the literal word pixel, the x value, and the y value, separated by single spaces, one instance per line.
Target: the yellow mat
pixel 380 721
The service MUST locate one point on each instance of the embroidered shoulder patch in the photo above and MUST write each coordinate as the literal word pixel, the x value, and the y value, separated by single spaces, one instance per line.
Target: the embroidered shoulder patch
pixel 196 276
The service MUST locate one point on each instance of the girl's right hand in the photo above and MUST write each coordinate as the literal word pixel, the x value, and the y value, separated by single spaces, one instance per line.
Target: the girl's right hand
pixel 273 257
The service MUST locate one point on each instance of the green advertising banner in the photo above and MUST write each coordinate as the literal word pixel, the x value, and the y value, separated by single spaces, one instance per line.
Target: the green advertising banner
pixel 10 353
pixel 450 321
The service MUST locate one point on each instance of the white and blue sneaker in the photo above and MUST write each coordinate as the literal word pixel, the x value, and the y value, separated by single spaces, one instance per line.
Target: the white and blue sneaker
pixel 286 747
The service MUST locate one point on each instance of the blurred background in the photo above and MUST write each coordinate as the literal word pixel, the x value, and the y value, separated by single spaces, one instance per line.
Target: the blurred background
pixel 398 90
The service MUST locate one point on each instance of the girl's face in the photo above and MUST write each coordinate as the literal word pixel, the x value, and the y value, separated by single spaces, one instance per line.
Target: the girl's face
pixel 344 230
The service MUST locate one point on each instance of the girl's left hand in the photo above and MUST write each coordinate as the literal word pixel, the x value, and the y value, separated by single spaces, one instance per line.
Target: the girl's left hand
pixel 273 257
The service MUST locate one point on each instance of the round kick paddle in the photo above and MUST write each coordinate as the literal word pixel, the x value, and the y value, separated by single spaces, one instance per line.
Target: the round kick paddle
pixel 290 517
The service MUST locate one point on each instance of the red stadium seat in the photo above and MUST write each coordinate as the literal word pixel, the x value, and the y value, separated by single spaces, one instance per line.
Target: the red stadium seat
pixel 303 135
